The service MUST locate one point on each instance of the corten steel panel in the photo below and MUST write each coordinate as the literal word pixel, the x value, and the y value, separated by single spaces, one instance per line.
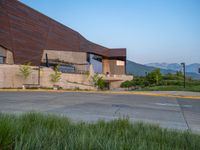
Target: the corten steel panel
pixel 5 37
pixel 27 33
pixel 117 52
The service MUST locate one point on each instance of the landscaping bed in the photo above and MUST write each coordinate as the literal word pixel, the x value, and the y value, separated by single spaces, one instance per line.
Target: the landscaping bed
pixel 155 81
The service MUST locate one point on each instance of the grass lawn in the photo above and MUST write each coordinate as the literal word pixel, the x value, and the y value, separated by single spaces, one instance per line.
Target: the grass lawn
pixel 34 131
pixel 195 88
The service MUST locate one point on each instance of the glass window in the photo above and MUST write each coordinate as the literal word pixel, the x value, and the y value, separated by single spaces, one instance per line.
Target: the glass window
pixel 120 63
pixel 67 69
pixel 1 60
pixel 96 61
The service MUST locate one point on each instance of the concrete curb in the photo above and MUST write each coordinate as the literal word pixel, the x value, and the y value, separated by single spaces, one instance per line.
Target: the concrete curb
pixel 107 92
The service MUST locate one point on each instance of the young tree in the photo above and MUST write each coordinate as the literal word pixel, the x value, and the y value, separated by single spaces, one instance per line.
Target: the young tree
pixel 154 77
pixel 56 76
pixel 25 70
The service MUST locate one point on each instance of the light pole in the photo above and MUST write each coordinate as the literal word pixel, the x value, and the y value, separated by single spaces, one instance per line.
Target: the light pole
pixel 183 64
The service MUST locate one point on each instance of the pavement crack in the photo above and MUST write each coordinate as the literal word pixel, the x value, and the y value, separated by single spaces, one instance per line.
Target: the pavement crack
pixel 183 113
pixel 117 110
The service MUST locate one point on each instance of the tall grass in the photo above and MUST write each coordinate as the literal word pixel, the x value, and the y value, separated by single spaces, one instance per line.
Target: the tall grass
pixel 35 131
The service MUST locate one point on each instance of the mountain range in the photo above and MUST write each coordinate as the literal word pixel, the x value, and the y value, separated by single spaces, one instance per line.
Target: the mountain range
pixel 175 66
pixel 141 70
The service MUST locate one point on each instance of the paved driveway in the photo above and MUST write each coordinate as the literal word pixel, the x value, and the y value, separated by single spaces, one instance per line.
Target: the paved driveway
pixel 167 112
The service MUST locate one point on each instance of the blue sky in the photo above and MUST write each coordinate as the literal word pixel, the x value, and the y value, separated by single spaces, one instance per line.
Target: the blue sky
pixel 151 30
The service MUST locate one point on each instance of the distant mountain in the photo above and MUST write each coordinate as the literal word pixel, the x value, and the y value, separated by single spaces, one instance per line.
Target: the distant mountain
pixel 193 68
pixel 173 66
pixel 137 69
pixel 141 70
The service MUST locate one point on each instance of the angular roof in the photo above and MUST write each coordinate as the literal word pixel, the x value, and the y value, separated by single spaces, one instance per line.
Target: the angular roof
pixel 26 32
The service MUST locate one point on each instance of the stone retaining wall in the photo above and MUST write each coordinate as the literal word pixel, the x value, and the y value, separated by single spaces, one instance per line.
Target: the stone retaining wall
pixel 10 78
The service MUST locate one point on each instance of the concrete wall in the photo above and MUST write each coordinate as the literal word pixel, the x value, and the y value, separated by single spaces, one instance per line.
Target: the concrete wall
pixel 7 54
pixel 116 85
pixel 106 66
pixel 75 58
pixel 68 81
pixel 10 77
pixel 113 67
pixel 67 56
pixel 9 58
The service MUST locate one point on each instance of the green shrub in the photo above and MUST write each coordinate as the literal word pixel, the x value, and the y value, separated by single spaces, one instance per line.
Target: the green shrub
pixel 126 84
pixel 98 82
pixel 170 76
pixel 155 78
pixel 140 81
pixel 136 82
pixel 101 84
pixel 171 82
pixel 193 83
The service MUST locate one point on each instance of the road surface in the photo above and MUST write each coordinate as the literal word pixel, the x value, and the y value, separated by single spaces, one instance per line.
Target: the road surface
pixel 168 112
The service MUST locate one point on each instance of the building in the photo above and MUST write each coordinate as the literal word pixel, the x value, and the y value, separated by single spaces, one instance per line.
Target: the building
pixel 29 36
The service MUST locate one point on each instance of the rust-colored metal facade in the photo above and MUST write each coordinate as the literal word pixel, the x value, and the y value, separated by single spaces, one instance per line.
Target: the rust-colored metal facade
pixel 26 32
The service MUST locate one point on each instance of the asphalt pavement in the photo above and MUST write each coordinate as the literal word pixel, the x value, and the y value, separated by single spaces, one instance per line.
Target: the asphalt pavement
pixel 168 112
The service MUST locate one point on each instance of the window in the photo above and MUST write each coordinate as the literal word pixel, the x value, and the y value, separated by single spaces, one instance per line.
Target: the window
pixel 96 61
pixel 2 60
pixel 120 63
pixel 67 69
